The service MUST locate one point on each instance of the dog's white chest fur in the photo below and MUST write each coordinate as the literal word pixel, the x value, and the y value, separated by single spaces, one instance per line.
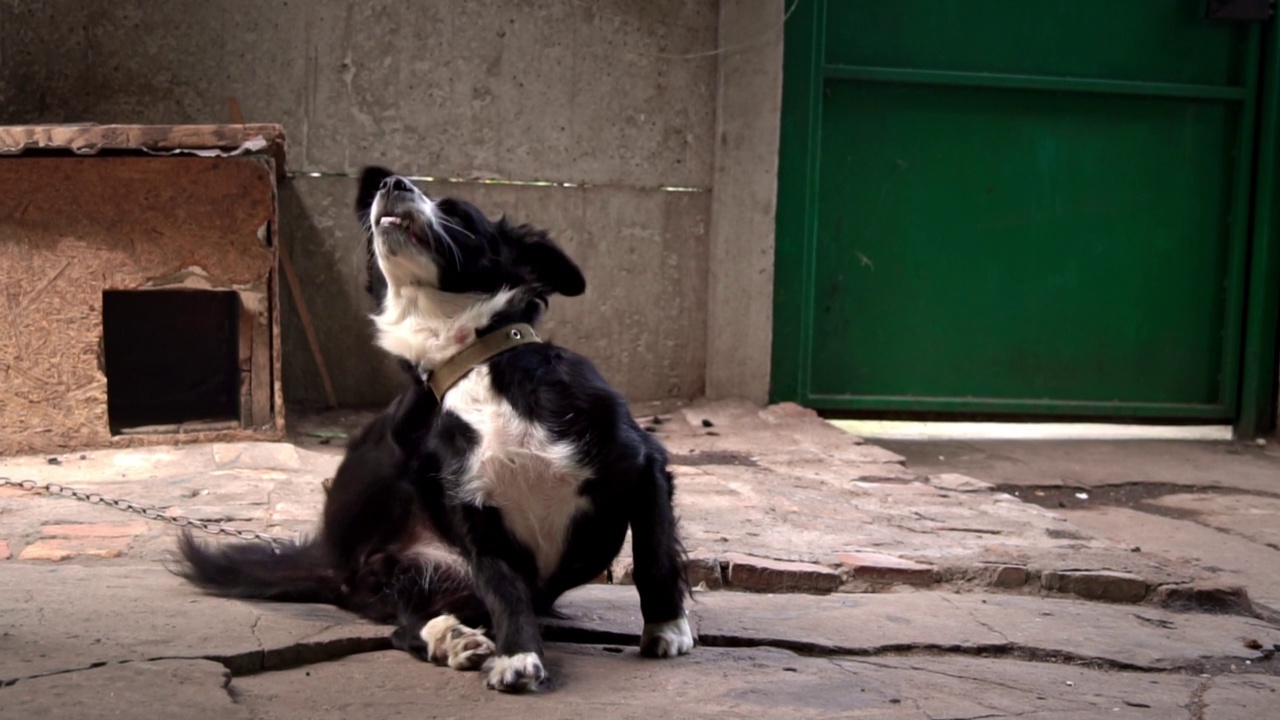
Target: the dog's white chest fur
pixel 519 468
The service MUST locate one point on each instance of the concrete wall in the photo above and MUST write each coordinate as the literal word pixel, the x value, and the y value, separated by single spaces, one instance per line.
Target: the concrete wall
pixel 616 97
pixel 749 108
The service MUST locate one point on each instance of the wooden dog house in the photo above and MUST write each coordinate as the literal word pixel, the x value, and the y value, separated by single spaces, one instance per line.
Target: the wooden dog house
pixel 138 285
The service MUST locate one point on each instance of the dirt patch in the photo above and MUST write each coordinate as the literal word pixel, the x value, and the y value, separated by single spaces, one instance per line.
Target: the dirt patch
pixel 1135 496
pixel 714 457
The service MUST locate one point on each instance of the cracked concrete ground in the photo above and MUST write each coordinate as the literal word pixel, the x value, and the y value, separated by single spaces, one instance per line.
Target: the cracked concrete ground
pixel 837 581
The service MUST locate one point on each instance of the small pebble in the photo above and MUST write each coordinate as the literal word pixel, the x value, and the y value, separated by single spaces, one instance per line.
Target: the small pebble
pixel 707 423
pixel 54 461
pixel 657 420
pixel 83 456
pixel 713 433
pixel 650 428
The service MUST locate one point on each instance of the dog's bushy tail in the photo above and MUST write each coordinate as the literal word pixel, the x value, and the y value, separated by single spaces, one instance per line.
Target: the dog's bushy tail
pixel 289 572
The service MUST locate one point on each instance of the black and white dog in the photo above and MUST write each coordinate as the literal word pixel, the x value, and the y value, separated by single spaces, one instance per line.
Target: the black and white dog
pixel 481 508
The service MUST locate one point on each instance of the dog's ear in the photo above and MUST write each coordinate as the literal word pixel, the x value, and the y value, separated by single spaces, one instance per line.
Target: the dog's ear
pixel 370 180
pixel 547 265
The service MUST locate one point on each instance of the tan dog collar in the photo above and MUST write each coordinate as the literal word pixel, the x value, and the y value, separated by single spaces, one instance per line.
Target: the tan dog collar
pixel 480 351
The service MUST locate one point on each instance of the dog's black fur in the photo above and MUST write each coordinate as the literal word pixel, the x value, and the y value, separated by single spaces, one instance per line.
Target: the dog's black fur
pixel 397 542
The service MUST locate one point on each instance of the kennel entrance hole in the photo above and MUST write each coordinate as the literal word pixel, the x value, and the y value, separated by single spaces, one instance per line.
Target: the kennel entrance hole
pixel 171 357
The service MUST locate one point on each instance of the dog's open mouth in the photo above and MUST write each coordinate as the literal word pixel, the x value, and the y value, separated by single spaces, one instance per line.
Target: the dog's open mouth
pixel 406 225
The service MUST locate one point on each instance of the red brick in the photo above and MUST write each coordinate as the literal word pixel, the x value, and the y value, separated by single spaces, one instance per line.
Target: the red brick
pixel 779 576
pixel 95 530
pixel 702 570
pixel 4 550
pixel 58 549
pixel 1008 576
pixel 878 568
pixel 1204 597
pixel 1106 585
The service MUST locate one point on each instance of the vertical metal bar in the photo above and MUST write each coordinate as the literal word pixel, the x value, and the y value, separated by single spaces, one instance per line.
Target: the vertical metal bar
pixel 1242 201
pixel 802 61
pixel 1258 376
pixel 817 90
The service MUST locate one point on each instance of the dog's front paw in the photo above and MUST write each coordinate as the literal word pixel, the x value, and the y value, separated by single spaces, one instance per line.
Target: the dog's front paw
pixel 451 643
pixel 515 673
pixel 666 639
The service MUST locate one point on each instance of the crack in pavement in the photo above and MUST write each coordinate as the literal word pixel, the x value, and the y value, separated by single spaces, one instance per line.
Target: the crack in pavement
pixel 6 682
pixel 835 662
pixel 990 650
pixel 974 617
pixel 918 668
pixel 1196 705
pixel 257 618
pixel 250 662
pixel 305 651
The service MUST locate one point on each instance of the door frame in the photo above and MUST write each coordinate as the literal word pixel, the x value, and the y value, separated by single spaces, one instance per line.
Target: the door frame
pixel 1250 349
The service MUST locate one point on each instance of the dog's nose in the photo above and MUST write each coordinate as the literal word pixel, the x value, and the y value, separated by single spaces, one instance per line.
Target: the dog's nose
pixel 395 183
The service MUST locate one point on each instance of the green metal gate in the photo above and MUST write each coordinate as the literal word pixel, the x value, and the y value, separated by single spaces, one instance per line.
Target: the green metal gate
pixel 1033 208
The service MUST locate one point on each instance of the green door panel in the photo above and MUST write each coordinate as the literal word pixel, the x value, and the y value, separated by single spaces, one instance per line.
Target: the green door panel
pixel 1143 40
pixel 1013 207
pixel 1037 246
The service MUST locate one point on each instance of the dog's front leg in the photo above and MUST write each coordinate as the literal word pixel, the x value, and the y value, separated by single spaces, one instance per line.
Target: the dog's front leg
pixel 658 566
pixel 518 665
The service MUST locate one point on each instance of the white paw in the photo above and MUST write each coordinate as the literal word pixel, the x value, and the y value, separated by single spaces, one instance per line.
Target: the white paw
pixel 666 639
pixel 451 643
pixel 515 673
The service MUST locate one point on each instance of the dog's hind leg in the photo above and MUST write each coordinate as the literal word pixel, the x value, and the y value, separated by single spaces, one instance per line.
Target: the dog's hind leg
pixel 658 559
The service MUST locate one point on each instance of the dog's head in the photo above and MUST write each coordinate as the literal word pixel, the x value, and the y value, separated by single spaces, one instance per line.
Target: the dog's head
pixel 449 245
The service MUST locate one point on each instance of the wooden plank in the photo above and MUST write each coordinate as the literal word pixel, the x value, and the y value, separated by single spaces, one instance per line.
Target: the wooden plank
pixel 246 367
pixel 304 314
pixel 89 139
pixel 273 291
pixel 261 369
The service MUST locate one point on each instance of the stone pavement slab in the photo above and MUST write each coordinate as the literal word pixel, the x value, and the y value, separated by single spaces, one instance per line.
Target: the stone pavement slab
pixel 1239 698
pixel 1227 558
pixel 757 488
pixel 147 690
pixel 595 681
pixel 1252 517
pixel 66 617
pixel 1092 463
pixel 1050 629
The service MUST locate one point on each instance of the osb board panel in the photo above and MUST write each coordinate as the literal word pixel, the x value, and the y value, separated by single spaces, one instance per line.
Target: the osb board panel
pixel 89 139
pixel 71 227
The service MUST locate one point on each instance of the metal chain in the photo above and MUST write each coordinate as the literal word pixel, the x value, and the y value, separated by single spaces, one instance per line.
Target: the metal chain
pixel 147 511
